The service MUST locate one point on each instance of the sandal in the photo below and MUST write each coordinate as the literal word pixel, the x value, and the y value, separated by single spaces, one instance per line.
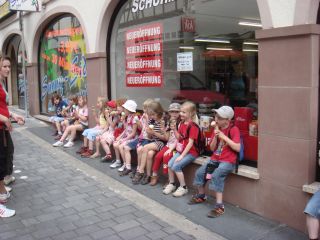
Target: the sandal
pixel 216 212
pixel 106 158
pixel 197 199
pixel 137 178
pixel 125 172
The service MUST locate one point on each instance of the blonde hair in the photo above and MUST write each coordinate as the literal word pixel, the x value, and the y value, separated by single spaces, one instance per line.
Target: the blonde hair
pixel 193 110
pixel 84 99
pixel 103 100
pixel 156 107
pixel 147 103
pixel 120 101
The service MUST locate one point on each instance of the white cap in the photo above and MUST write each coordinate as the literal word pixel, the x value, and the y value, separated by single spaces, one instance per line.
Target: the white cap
pixel 225 112
pixel 130 105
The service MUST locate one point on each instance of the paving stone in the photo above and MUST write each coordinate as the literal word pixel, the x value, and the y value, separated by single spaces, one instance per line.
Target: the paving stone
pixel 46 232
pixel 185 236
pixel 65 236
pixel 126 225
pixel 133 233
pixel 102 234
pixel 87 229
pixel 157 234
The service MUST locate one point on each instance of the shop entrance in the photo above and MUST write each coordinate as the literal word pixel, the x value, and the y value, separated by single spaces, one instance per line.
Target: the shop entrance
pixel 15 83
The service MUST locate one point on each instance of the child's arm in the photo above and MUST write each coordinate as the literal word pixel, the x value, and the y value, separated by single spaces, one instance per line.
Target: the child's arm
pixel 234 146
pixel 186 150
pixel 133 133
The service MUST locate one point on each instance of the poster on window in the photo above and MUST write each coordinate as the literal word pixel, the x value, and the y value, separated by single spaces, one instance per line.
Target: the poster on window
pixel 144 56
pixel 26 5
pixel 184 62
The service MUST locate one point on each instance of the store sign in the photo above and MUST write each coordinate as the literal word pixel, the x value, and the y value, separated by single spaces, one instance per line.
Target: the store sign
pixel 25 5
pixel 144 54
pixel 184 61
pixel 140 5
pixel 188 24
pixel 4 10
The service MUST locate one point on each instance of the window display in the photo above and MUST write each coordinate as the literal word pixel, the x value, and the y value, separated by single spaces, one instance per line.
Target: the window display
pixel 62 61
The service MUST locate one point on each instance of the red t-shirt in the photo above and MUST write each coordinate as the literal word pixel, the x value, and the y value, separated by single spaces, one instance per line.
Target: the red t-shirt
pixel 223 153
pixel 184 139
pixel 3 105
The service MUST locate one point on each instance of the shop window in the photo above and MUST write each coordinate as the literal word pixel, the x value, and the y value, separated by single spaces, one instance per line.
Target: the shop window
pixel 62 61
pixel 204 51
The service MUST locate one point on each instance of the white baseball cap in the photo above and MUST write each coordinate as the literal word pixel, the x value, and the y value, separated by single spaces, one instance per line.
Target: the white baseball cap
pixel 130 105
pixel 225 112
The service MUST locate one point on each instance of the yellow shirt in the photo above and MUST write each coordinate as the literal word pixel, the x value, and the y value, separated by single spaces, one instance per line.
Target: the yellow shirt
pixel 102 121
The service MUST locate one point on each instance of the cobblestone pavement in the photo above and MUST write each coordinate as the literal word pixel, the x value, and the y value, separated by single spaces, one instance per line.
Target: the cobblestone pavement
pixel 58 197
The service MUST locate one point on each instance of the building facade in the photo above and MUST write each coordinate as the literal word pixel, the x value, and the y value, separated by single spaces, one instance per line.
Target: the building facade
pixel 258 53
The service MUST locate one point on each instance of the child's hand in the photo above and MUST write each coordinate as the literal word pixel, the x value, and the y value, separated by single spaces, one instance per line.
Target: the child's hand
pixel 220 135
pixel 178 159
pixel 149 131
pixel 167 152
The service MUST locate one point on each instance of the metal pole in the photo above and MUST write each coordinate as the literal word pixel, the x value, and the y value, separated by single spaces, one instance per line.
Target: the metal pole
pixel 23 47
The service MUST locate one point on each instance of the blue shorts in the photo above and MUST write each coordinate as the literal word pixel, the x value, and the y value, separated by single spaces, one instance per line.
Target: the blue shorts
pixel 218 177
pixel 91 133
pixel 138 142
pixel 313 206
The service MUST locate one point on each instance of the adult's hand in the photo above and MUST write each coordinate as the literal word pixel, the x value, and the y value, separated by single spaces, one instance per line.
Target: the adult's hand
pixel 20 119
pixel 8 125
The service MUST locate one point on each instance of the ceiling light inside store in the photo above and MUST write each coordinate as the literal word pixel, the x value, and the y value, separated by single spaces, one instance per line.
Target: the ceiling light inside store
pixel 250 50
pixel 252 24
pixel 186 47
pixel 250 43
pixel 211 40
pixel 221 49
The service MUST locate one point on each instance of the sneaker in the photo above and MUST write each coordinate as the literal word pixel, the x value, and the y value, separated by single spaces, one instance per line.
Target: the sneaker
pixel 4 197
pixel 6 212
pixel 169 189
pixel 196 199
pixel 69 144
pixel 8 189
pixel 58 144
pixel 145 180
pixel 121 168
pixel 180 192
pixel 137 178
pixel 116 164
pixel 58 137
pixel 216 212
pixel 9 179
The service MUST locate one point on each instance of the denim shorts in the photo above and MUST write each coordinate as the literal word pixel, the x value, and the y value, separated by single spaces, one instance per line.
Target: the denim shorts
pixel 138 142
pixel 313 206
pixel 218 177
pixel 178 166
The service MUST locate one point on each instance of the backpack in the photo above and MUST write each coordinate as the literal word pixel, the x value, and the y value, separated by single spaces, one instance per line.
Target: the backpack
pixel 200 142
pixel 240 154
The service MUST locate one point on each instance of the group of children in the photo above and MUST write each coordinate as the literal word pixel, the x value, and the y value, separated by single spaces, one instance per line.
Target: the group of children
pixel 158 138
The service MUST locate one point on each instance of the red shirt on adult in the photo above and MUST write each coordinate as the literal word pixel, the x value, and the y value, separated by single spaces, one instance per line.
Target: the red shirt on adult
pixel 3 105
pixel 184 139
pixel 223 152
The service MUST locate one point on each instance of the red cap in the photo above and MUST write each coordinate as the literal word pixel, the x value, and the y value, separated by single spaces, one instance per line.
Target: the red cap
pixel 112 104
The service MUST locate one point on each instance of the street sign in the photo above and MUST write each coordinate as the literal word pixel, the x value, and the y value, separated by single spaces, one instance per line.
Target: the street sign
pixel 25 5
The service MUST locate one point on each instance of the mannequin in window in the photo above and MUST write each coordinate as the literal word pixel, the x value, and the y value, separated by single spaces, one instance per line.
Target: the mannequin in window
pixel 237 87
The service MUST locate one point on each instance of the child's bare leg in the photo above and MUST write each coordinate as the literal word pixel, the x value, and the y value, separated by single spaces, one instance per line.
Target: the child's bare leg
pixel 73 131
pixel 180 177
pixel 127 157
pixel 90 145
pixel 58 126
pixel 66 133
pixel 105 147
pixel 85 142
pixel 146 149
pixel 116 150
pixel 121 150
pixel 171 175
pixel 139 153
pixel 150 156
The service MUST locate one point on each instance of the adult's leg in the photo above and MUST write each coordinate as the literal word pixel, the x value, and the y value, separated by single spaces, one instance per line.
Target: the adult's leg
pixel 10 152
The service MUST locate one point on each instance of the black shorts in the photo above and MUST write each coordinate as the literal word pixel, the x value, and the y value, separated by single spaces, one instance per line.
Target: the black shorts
pixel 6 153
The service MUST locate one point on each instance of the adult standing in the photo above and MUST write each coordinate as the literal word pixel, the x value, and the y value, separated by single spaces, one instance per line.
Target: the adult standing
pixel 6 144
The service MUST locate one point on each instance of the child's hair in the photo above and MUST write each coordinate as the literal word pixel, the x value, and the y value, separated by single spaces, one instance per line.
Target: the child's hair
pixel 3 58
pixel 147 103
pixel 156 107
pixel 74 99
pixel 193 110
pixel 54 96
pixel 84 99
pixel 120 101
pixel 103 100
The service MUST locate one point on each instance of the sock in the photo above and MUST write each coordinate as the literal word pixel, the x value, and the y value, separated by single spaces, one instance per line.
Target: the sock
pixel 128 166
pixel 60 133
pixel 173 183
pixel 314 238
pixel 219 205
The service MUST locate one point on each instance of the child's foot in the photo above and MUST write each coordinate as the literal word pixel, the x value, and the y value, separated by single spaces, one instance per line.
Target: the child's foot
pixel 169 189
pixel 4 197
pixel 216 212
pixel 132 174
pixel 69 144
pixel 154 180
pixel 6 212
pixel 116 164
pixel 145 180
pixel 55 133
pixel 58 144
pixel 197 198
pixel 57 137
pixel 106 158
pixel 87 154
pixel 180 192
pixel 95 155
pixel 121 168
pixel 137 178
pixel 9 179
pixel 125 172
pixel 82 150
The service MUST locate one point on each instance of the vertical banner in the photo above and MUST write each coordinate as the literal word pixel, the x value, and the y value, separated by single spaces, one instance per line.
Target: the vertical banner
pixel 144 56
pixel 26 5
